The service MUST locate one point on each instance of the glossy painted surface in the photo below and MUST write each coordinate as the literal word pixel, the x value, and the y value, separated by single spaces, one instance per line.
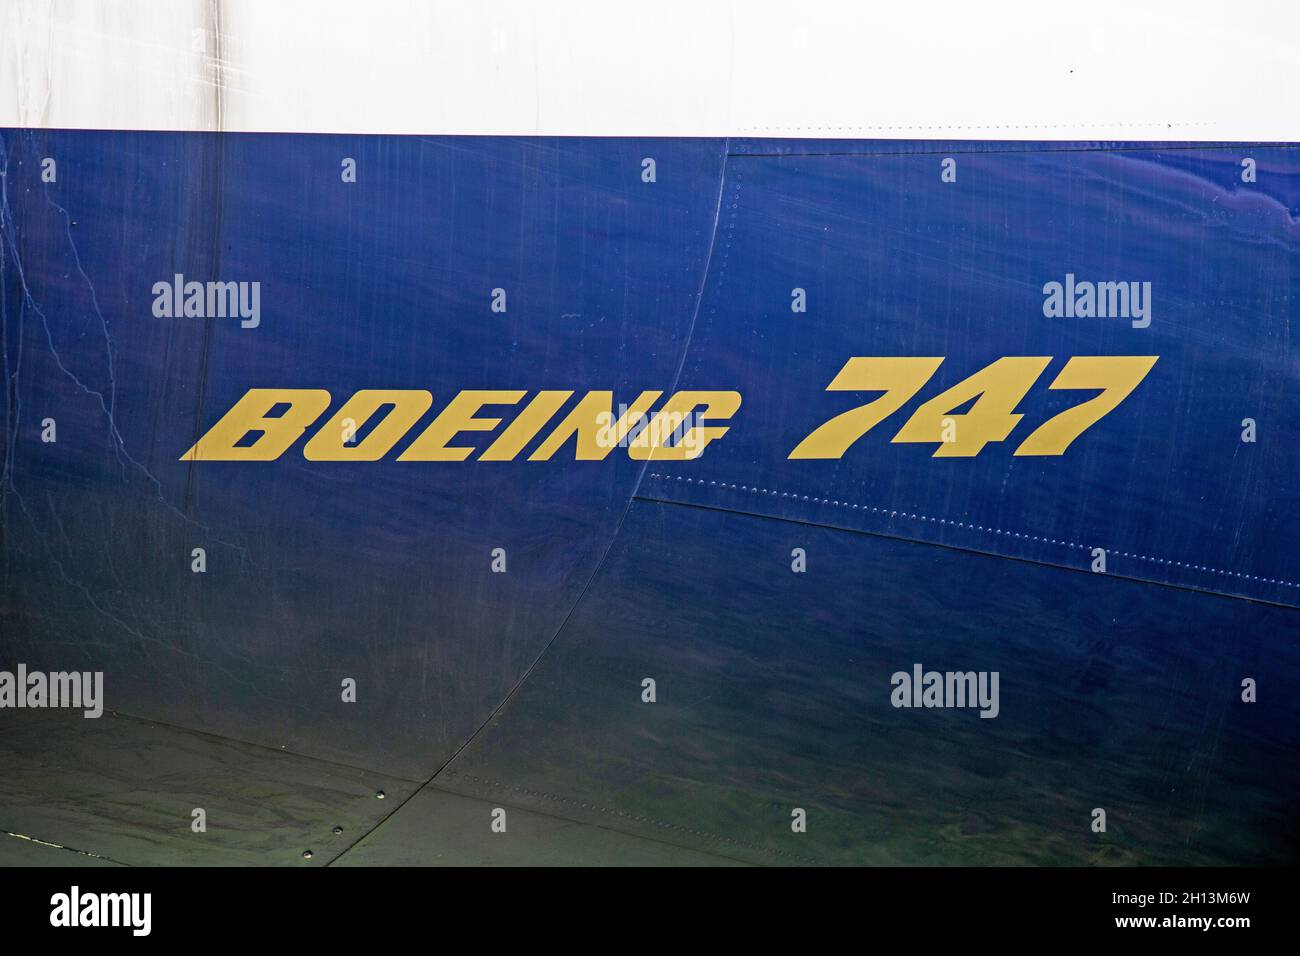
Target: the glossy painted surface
pixel 376 572
pixel 1120 690
pixel 896 263
pixel 774 693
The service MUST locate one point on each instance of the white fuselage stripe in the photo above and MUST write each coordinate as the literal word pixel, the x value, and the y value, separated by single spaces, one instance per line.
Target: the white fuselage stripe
pixel 1094 70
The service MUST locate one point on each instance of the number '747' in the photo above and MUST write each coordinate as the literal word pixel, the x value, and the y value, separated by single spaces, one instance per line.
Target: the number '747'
pixel 997 389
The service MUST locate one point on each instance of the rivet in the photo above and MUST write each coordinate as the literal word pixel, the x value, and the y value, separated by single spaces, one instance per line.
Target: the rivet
pixel 379 794
pixel 338 830
pixel 306 854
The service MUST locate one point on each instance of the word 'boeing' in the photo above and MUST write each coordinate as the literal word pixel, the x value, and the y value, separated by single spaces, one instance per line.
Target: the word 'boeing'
pixel 251 432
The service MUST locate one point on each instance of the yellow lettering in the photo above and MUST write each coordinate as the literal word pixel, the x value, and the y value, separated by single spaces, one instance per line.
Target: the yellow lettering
pixel 249 415
pixel 649 444
pixel 330 442
pixel 457 417
pixel 590 421
pixel 898 378
pixel 1115 375
pixel 524 428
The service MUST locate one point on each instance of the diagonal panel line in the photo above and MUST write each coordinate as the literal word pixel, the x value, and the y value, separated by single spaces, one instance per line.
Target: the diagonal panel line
pixel 651 499
pixel 609 545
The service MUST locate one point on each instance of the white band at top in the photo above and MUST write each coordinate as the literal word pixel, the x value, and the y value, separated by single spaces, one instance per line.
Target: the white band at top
pixel 1092 70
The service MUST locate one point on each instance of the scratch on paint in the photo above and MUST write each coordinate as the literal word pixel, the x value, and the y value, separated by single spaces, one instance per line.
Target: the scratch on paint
pixel 57 846
pixel 108 406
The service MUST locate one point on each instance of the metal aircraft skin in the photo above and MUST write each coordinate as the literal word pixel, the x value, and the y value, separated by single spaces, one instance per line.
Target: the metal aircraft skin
pixel 647 499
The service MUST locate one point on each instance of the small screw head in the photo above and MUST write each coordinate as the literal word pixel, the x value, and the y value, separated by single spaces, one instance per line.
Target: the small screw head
pixel 338 830
pixel 306 854
pixel 379 794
